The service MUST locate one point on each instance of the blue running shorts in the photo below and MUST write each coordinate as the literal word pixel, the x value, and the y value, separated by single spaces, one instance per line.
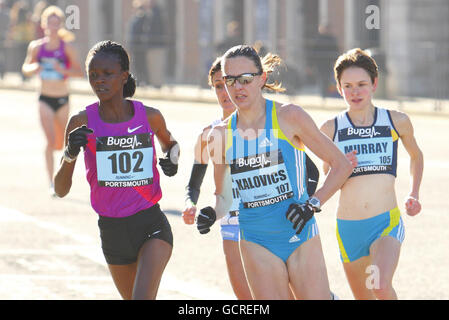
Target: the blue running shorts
pixel 355 237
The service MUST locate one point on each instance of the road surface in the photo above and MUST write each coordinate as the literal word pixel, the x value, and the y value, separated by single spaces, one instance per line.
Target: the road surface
pixel 50 248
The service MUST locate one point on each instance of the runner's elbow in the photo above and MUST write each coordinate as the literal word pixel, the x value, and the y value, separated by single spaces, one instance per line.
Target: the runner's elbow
pixel 61 193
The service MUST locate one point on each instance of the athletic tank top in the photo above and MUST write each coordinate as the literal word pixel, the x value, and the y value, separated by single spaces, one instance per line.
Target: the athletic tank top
pixel 269 172
pixel 120 161
pixel 376 145
pixel 230 192
pixel 47 58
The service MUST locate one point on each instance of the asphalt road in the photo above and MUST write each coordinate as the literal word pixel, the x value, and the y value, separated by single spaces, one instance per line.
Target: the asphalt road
pixel 50 248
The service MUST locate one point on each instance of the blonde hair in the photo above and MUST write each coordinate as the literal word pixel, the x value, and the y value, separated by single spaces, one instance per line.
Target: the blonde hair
pixel 63 33
pixel 269 63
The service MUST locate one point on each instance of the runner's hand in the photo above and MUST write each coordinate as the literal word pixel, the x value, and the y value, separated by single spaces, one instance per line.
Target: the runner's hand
pixel 188 215
pixel 77 139
pixel 206 219
pixel 299 214
pixel 169 163
pixel 412 206
pixel 351 156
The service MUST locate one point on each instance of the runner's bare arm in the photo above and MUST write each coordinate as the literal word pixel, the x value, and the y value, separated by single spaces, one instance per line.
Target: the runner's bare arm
pixel 63 177
pixel 159 127
pixel 200 150
pixel 216 149
pixel 406 133
pixel 170 147
pixel 327 128
pixel 301 127
pixel 31 65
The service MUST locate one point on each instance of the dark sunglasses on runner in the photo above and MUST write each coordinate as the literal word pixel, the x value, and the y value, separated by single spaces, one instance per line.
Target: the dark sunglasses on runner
pixel 243 79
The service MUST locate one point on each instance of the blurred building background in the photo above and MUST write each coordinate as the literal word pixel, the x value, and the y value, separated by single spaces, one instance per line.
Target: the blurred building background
pixel 408 38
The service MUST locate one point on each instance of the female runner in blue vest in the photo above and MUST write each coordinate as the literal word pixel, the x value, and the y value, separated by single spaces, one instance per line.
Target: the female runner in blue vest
pixel 263 145
pixel 369 226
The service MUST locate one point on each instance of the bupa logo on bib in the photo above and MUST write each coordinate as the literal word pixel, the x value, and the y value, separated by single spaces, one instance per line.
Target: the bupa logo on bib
pixel 351 133
pixel 363 132
pixel 259 161
pixel 130 142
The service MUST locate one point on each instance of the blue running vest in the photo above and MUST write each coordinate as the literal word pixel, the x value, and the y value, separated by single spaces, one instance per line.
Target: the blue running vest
pixel 269 173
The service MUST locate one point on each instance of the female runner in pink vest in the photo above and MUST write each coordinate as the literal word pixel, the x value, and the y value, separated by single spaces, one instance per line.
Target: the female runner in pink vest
pixel 117 135
pixel 55 60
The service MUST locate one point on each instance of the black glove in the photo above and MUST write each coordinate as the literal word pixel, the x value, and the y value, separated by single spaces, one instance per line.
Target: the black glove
pixel 299 214
pixel 169 163
pixel 205 219
pixel 77 139
pixel 312 176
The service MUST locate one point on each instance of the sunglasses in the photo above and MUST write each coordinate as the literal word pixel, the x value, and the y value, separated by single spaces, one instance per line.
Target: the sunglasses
pixel 243 79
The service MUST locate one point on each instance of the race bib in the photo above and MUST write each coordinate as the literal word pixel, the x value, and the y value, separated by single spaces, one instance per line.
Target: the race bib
pixel 374 147
pixel 48 72
pixel 125 161
pixel 234 209
pixel 262 179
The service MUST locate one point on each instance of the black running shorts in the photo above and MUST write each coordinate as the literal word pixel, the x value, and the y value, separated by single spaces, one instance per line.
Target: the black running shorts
pixel 122 238
pixel 54 103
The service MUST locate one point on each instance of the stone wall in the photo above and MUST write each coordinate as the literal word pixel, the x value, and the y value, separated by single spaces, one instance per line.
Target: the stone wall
pixel 416 40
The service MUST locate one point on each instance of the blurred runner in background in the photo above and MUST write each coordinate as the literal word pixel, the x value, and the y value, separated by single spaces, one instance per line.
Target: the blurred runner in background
pixel 54 60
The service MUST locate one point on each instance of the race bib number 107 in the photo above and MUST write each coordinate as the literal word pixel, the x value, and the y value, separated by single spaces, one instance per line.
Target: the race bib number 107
pixel 125 161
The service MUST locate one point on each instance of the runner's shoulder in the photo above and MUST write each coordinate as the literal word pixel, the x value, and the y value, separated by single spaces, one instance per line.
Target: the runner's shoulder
pixel 151 110
pixel 153 114
pixel 217 133
pixel 328 127
pixel 289 110
pixel 220 127
pixel 77 120
pixel 35 44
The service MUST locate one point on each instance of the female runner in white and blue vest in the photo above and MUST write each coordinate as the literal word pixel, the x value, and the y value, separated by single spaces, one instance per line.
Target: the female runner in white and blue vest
pixel 229 224
pixel 369 226
pixel 263 144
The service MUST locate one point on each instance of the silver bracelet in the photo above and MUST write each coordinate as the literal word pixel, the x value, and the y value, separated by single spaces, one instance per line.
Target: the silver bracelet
pixel 66 156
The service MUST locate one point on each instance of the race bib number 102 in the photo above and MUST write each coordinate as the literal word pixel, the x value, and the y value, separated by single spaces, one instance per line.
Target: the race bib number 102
pixel 125 161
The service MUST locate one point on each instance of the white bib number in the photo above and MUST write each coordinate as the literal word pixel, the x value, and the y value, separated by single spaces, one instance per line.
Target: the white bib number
pixel 125 161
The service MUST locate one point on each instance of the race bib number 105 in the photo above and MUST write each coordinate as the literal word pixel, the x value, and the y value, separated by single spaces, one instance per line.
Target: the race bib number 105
pixel 125 161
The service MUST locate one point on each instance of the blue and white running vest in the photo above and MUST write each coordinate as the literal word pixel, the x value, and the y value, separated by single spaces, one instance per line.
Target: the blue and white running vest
pixel 376 145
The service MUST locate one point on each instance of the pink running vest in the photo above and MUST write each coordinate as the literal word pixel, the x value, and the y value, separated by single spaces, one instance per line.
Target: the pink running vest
pixel 120 161
pixel 47 58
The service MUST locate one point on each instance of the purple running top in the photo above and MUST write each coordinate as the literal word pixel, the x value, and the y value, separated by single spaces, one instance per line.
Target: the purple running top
pixel 120 161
